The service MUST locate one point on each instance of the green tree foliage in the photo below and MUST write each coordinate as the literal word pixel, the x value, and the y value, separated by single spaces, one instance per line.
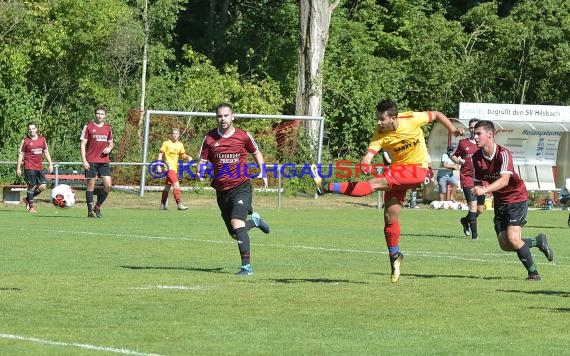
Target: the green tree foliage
pixel 59 58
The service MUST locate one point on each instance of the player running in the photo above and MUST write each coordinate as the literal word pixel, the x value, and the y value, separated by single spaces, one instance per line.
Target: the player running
pixel 462 155
pixel 226 147
pixel 494 163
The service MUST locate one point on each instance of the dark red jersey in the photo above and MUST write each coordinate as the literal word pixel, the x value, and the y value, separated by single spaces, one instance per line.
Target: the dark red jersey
pixel 228 155
pixel 489 169
pixel 33 152
pixel 98 138
pixel 465 149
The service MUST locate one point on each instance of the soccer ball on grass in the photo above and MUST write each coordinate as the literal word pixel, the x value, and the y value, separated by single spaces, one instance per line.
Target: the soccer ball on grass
pixel 63 196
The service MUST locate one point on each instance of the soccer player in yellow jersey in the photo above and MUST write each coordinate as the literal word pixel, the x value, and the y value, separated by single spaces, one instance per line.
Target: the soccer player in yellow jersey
pixel 401 135
pixel 172 151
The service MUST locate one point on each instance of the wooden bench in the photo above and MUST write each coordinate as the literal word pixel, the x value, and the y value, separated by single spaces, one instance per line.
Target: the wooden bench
pixel 11 193
pixel 69 178
pixel 72 178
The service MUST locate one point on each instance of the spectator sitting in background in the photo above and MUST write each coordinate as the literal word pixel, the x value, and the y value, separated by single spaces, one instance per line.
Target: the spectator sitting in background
pixel 445 175
pixel 565 196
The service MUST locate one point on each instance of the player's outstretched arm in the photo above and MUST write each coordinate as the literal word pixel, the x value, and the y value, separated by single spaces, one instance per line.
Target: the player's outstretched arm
pixel 444 120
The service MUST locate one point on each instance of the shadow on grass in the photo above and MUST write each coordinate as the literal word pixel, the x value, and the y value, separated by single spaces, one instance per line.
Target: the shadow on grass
pixel 62 216
pixel 457 276
pixel 556 293
pixel 460 236
pixel 561 226
pixel 366 205
pixel 556 310
pixel 9 289
pixel 193 269
pixel 314 280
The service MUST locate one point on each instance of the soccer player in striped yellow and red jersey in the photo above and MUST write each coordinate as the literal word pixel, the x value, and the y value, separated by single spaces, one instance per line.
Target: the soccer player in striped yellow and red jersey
pixel 494 164
pixel 96 145
pixel 172 151
pixel 402 136
pixel 462 155
pixel 32 150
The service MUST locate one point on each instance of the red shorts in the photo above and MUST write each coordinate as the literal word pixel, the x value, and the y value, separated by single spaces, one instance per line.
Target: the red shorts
pixel 401 177
pixel 172 177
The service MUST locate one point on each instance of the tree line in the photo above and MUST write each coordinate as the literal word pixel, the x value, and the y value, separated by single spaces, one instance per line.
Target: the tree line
pixel 60 58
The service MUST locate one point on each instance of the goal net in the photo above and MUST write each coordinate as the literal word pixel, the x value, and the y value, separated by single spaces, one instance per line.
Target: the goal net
pixel 281 138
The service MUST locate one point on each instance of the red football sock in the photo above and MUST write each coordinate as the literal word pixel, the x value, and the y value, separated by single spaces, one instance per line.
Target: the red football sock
pixel 392 234
pixel 355 189
pixel 177 195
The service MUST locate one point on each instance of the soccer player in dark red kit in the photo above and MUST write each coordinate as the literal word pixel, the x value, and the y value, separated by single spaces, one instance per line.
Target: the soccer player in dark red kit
pixel 226 148
pixel 96 145
pixel 462 155
pixel 494 164
pixel 32 150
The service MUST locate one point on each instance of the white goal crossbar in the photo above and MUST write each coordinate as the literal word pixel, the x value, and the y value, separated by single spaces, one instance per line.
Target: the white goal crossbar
pixel 148 114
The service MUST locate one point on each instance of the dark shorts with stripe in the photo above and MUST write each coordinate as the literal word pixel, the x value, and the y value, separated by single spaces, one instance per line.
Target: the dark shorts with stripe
pixel 513 214
pixel 471 197
pixel 34 177
pixel 235 203
pixel 98 170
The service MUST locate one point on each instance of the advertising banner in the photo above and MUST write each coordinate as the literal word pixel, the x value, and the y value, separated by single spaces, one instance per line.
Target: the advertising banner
pixel 531 132
pixel 514 112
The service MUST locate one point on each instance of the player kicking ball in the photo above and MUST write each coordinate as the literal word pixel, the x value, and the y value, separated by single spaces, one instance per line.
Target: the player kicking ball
pixel 401 135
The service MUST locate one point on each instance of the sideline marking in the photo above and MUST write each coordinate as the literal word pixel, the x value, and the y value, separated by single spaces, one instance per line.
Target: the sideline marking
pixel 75 344
pixel 478 257
pixel 172 287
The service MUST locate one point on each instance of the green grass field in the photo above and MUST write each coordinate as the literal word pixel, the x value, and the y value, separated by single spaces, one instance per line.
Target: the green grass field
pixel 143 281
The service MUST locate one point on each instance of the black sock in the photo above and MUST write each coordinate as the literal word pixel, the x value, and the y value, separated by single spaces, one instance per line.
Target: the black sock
pixel 101 196
pixel 243 245
pixel 526 259
pixel 30 195
pixel 531 242
pixel 37 192
pixel 472 218
pixel 89 199
pixel 249 224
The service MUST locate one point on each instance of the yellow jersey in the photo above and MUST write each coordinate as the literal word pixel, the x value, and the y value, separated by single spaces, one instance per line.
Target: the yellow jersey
pixel 407 144
pixel 171 153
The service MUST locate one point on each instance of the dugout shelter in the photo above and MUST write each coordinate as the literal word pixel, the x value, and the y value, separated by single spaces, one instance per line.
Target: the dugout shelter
pixel 538 136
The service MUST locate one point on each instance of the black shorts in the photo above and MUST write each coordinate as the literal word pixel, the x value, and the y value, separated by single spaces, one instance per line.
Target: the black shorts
pixel 98 170
pixel 470 197
pixel 34 177
pixel 235 204
pixel 513 214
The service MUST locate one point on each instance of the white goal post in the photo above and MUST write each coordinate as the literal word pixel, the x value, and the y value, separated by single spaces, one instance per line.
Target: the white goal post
pixel 149 113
